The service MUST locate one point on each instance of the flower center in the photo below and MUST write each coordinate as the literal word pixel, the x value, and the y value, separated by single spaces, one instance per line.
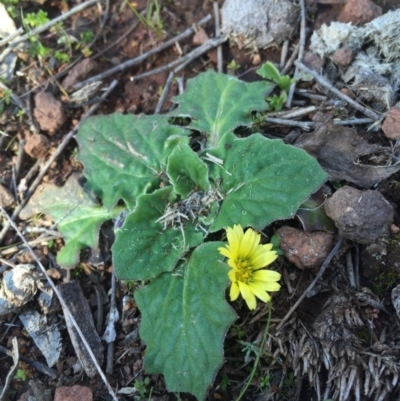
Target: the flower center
pixel 244 271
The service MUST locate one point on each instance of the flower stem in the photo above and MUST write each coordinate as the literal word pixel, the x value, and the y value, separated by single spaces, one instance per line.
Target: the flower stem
pixel 242 393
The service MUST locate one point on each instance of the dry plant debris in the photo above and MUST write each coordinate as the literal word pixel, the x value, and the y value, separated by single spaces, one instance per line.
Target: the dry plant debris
pixel 346 350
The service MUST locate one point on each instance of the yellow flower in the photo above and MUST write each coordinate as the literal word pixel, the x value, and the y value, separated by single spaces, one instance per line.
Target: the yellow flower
pixel 245 258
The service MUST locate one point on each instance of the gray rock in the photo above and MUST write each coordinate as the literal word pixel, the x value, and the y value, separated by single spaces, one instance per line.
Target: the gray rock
pixel 361 216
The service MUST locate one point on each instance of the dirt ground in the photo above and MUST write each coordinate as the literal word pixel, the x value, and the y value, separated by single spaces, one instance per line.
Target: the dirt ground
pixel 378 262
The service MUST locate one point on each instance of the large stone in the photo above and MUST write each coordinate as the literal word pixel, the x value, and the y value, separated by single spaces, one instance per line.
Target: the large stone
pixel 361 216
pixel 391 125
pixel 48 112
pixel 74 393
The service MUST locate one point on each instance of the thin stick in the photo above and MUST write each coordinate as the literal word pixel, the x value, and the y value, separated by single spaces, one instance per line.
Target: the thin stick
pixel 350 270
pixel 20 158
pixel 66 310
pixel 294 113
pixel 11 36
pixel 284 53
pixel 141 58
pixel 183 61
pixel 306 126
pixel 59 150
pixel 302 44
pixel 218 33
pixel 164 93
pixel 33 243
pixel 309 95
pixel 325 83
pixel 291 60
pixel 113 312
pixel 311 286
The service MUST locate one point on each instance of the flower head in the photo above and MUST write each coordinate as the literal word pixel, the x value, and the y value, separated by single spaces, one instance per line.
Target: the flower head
pixel 245 258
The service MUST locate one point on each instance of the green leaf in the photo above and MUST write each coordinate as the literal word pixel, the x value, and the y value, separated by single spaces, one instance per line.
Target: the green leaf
pixel 77 214
pixel 184 322
pixel 186 171
pixel 312 216
pixel 142 248
pixel 270 72
pixel 263 180
pixel 218 103
pixel 125 155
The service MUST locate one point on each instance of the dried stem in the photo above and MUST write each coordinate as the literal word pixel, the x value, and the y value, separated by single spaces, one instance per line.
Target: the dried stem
pixel 141 58
pixel 323 82
pixel 217 34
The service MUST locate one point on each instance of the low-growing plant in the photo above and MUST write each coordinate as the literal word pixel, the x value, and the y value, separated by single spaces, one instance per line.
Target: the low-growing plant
pixel 172 200
pixel 269 72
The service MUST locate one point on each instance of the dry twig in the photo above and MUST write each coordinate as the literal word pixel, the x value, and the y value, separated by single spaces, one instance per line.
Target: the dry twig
pixel 141 58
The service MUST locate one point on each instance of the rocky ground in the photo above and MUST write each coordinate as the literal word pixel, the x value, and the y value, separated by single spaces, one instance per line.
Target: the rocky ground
pixel 334 332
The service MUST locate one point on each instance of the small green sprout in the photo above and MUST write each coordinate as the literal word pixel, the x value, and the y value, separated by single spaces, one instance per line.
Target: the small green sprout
pixel 20 375
pixel 36 19
pixel 86 37
pixel 61 57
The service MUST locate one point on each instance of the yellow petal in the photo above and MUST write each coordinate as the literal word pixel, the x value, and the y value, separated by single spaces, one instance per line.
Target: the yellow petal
pixel 225 252
pixel 272 286
pixel 264 259
pixel 235 236
pixel 266 275
pixel 234 292
pixel 249 243
pixel 232 275
pixel 260 292
pixel 247 295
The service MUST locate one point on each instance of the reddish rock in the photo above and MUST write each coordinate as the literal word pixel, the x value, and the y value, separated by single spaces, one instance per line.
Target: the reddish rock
pixel 48 112
pixel 391 125
pixel 361 216
pixel 313 61
pixel 343 56
pixel 305 250
pixel 78 73
pixel 6 199
pixel 359 12
pixel 200 37
pixel 74 393
pixel 36 145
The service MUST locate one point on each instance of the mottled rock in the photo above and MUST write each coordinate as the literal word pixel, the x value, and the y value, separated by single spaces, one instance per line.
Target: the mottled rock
pixel 343 56
pixel 6 199
pixel 48 112
pixel 314 61
pixel 78 73
pixel 305 250
pixel 391 125
pixel 200 37
pixel 361 216
pixel 74 393
pixel 37 145
pixel 359 12
pixel 259 23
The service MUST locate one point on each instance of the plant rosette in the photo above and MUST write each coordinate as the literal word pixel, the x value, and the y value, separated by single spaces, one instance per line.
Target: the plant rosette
pixel 174 197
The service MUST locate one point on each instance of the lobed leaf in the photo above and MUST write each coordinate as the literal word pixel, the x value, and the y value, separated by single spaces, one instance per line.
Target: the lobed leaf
pixel 78 216
pixel 218 103
pixel 263 180
pixel 125 155
pixel 186 171
pixel 142 248
pixel 184 321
